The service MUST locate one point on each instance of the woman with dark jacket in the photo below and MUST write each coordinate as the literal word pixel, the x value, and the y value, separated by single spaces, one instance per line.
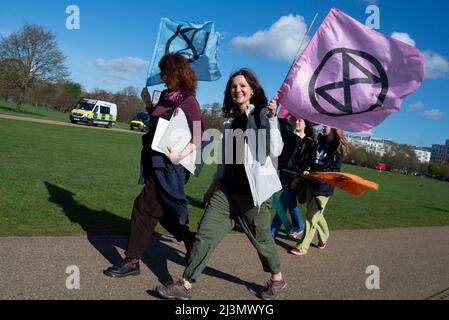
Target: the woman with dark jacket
pixel 163 198
pixel 298 137
pixel 327 156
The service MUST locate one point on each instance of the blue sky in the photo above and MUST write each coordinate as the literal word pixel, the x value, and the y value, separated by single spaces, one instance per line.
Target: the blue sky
pixel 116 39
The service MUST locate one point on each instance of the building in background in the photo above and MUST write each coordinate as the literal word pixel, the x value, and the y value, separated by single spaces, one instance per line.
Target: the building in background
pixel 437 154
pixel 371 144
pixel 440 153
pixel 423 154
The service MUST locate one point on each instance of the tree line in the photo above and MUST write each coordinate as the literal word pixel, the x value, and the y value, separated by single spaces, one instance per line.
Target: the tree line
pixel 33 71
pixel 401 158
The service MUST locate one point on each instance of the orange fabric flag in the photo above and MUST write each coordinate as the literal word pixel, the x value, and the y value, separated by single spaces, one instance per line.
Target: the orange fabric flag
pixel 347 182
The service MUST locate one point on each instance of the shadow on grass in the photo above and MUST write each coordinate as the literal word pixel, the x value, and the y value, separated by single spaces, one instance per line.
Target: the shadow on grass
pixel 437 209
pixel 102 228
pixel 28 113
pixel 103 231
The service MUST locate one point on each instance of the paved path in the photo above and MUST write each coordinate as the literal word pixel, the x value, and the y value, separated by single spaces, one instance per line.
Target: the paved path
pixel 413 264
pixel 61 123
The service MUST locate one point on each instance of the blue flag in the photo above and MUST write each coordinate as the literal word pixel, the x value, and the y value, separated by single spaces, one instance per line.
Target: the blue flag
pixel 198 42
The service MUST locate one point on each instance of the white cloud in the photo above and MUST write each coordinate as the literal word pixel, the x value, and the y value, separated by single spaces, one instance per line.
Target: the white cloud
pixel 433 114
pixel 122 69
pixel 281 41
pixel 108 81
pixel 437 66
pixel 415 106
pixel 404 37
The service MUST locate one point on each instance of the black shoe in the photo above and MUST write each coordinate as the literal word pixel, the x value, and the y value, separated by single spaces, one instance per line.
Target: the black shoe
pixel 271 289
pixel 129 267
pixel 188 242
pixel 174 291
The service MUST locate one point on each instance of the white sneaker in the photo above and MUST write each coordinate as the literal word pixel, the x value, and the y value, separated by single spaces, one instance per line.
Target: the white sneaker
pixel 295 234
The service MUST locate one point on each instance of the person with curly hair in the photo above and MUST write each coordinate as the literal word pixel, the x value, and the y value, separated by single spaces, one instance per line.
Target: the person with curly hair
pixel 163 199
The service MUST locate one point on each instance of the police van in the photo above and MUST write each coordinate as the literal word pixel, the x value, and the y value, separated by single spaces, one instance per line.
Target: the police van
pixel 94 112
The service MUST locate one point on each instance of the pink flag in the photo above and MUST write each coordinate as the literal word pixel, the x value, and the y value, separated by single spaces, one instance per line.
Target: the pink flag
pixel 351 77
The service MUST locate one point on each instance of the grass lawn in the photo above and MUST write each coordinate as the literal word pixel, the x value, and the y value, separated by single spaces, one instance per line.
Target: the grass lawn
pixel 43 113
pixel 70 180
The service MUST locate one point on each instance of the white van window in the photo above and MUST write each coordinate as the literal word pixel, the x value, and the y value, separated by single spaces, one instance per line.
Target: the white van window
pixel 105 110
pixel 85 106
pixel 96 109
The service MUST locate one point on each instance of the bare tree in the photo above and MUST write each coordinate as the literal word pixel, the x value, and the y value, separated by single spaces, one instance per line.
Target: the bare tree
pixel 212 116
pixel 401 157
pixel 445 171
pixel 357 156
pixel 130 91
pixel 30 55
pixel 8 81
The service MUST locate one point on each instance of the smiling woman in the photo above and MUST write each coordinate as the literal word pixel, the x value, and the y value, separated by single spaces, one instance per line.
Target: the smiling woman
pixel 241 91
pixel 239 192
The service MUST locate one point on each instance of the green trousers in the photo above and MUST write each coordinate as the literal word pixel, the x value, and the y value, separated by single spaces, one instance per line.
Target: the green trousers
pixel 222 212
pixel 315 222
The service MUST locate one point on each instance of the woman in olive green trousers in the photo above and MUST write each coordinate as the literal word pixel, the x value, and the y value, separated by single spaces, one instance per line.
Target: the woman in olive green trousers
pixel 242 188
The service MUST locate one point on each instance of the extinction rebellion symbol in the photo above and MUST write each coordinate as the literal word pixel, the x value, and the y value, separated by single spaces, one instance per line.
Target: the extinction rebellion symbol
pixel 347 105
pixel 188 34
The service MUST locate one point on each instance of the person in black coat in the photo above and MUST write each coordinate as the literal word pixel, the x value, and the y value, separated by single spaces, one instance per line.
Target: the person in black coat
pixel 327 156
pixel 298 136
